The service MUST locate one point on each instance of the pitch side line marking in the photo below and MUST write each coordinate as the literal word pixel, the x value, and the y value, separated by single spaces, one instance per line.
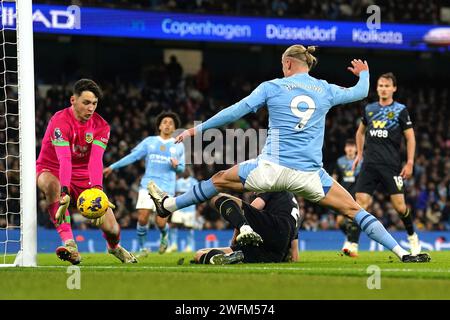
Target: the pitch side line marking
pixel 129 268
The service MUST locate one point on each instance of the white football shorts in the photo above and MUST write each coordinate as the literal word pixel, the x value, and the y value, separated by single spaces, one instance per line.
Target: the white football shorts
pixel 144 201
pixel 186 218
pixel 265 176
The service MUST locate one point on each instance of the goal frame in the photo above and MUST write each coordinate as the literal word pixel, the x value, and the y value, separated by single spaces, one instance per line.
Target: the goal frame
pixel 27 255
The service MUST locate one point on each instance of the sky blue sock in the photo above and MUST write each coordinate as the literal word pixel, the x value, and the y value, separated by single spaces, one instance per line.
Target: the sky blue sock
pixel 201 192
pixel 173 236
pixel 374 229
pixel 190 239
pixel 164 230
pixel 142 235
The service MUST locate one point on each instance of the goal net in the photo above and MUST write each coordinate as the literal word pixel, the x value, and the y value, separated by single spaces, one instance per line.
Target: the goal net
pixel 17 136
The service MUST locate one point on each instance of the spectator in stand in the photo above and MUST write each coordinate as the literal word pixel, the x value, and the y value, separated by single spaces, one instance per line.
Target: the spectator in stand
pixel 418 11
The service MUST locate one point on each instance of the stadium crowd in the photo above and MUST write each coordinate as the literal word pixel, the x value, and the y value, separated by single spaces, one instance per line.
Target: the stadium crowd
pixel 422 11
pixel 194 97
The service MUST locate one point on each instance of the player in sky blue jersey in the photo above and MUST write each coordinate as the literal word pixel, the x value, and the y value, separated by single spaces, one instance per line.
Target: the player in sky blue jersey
pixel 163 160
pixel 292 157
pixel 184 217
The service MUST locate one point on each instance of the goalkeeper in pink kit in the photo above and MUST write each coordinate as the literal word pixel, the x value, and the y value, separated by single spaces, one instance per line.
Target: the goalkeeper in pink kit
pixel 71 161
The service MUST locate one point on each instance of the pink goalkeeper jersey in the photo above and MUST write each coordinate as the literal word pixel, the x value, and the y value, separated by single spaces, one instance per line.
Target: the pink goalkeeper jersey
pixel 65 130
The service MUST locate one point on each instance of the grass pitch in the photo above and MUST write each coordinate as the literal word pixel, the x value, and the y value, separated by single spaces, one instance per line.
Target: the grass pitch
pixel 318 275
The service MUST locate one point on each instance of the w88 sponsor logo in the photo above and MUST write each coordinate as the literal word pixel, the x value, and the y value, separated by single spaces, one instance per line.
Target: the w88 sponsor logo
pixel 380 133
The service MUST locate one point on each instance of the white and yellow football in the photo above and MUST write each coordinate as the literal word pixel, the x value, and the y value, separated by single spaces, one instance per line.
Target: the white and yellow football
pixel 92 203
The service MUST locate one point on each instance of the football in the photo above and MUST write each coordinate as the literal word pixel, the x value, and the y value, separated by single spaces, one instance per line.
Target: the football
pixel 92 203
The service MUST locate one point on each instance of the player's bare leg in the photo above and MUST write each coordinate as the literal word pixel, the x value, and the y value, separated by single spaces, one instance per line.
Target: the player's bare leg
pixel 399 204
pixel 228 180
pixel 341 201
pixel 364 200
pixel 50 186
pixel 111 232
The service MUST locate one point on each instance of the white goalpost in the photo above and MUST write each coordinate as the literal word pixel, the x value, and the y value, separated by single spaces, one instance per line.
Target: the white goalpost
pixel 18 222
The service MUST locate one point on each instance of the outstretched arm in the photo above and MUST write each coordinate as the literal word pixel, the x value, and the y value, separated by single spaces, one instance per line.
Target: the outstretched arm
pixel 340 95
pixel 228 115
pixel 136 154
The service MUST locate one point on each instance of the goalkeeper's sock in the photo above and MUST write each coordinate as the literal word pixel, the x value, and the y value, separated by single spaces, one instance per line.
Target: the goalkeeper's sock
pixel 201 192
pixel 141 235
pixel 375 231
pixel 64 229
pixel 173 236
pixel 113 237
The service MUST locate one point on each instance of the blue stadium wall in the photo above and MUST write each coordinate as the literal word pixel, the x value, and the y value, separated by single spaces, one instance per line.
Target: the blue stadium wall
pixel 92 240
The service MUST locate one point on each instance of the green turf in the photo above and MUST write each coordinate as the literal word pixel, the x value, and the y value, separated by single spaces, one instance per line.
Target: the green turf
pixel 318 275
